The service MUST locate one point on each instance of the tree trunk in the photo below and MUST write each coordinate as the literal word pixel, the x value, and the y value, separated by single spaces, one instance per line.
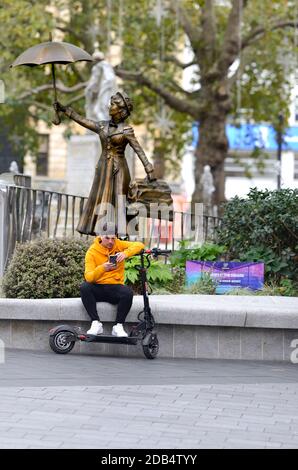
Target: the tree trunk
pixel 212 149
pixel 158 161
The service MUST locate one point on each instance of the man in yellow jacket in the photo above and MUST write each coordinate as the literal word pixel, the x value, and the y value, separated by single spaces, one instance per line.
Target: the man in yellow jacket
pixel 105 280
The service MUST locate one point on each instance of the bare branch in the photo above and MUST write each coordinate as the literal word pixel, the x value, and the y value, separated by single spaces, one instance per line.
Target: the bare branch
pixel 195 93
pixel 60 87
pixel 193 34
pixel 181 105
pixel 261 30
pixel 177 62
pixel 75 99
pixel 231 45
pixel 245 59
pixel 45 107
pixel 209 29
pixel 180 89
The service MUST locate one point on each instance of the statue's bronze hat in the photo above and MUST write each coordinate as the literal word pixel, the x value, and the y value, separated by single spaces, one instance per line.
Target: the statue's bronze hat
pixel 126 101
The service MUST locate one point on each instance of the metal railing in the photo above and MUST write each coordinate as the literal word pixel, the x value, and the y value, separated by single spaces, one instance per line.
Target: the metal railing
pixel 35 213
pixel 29 214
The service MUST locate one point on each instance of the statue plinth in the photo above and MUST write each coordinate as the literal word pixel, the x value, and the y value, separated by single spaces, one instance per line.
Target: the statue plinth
pixel 82 156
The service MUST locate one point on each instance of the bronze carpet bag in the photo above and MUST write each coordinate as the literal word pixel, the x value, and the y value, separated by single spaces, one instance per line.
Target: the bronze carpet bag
pixel 154 195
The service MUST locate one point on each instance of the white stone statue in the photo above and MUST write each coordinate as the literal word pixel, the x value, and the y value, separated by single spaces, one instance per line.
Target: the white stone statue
pixel 100 88
pixel 14 167
pixel 207 184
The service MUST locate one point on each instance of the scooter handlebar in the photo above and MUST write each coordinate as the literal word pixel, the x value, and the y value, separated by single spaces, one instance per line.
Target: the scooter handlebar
pixel 157 252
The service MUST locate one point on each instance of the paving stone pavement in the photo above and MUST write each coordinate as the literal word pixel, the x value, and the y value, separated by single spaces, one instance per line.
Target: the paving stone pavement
pixel 83 401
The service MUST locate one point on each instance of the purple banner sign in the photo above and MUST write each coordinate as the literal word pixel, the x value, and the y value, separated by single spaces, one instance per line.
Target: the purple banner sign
pixel 227 275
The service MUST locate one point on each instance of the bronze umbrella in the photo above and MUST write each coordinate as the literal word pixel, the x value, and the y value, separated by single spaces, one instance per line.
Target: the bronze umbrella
pixel 52 52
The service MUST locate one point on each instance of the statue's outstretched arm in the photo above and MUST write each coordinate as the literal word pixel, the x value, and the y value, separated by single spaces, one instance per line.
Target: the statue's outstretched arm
pixel 130 135
pixel 72 114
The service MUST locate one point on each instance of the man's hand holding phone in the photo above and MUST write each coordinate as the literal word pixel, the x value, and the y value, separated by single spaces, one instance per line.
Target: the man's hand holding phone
pixel 111 264
pixel 121 256
pixel 113 259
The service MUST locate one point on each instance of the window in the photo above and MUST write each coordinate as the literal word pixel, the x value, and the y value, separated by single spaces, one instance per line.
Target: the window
pixel 42 155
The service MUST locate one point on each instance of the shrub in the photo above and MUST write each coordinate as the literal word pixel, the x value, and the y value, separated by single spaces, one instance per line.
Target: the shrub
pixel 158 274
pixel 288 287
pixel 171 279
pixel 206 252
pixel 46 269
pixel 241 291
pixel 177 284
pixel 285 288
pixel 204 286
pixel 263 227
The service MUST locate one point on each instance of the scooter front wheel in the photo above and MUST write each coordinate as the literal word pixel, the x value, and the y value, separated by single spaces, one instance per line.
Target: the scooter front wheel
pixel 60 342
pixel 150 345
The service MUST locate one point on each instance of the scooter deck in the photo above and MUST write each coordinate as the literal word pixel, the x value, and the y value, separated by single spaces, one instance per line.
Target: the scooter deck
pixel 109 339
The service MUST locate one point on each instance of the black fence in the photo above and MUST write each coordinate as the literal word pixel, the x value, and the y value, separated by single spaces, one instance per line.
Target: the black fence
pixel 29 214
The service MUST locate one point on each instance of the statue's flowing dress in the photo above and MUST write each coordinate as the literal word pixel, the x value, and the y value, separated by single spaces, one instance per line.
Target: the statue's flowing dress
pixel 111 178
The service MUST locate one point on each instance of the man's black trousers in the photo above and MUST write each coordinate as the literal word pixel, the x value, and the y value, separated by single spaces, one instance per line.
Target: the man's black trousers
pixel 116 294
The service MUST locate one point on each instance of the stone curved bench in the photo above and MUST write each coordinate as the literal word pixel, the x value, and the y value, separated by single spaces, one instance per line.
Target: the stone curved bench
pixel 196 326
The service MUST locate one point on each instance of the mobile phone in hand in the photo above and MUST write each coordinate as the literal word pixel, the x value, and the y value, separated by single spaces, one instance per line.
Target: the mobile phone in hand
pixel 113 259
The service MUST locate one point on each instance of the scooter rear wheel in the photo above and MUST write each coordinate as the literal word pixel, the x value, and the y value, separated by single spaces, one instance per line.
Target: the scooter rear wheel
pixel 60 344
pixel 151 346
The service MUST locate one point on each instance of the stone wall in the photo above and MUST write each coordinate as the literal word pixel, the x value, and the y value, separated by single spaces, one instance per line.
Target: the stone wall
pixel 192 326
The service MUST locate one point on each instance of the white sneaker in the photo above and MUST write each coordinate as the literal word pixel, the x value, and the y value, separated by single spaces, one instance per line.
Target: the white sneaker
pixel 96 328
pixel 118 330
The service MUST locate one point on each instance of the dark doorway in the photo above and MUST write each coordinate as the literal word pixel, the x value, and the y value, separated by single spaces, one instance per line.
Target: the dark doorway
pixel 8 151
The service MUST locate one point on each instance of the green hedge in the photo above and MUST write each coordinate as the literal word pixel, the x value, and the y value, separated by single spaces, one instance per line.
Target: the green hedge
pixel 46 269
pixel 263 227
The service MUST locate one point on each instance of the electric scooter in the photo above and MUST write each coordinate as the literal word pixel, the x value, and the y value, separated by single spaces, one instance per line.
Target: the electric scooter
pixel 63 337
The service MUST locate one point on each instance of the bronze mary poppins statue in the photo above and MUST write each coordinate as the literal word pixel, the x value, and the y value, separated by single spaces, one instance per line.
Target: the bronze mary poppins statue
pixel 112 177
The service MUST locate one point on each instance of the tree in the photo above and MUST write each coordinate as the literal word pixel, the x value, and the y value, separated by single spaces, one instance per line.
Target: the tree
pixel 29 91
pixel 233 43
pixel 23 23
pixel 220 34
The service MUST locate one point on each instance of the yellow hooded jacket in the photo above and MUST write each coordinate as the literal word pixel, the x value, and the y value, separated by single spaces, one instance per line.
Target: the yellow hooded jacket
pixel 97 255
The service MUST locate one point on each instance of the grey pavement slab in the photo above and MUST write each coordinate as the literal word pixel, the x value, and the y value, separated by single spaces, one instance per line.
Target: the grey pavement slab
pixel 51 401
pixel 25 368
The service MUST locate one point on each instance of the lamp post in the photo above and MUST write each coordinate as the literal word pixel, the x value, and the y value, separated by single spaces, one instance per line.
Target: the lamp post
pixel 279 148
